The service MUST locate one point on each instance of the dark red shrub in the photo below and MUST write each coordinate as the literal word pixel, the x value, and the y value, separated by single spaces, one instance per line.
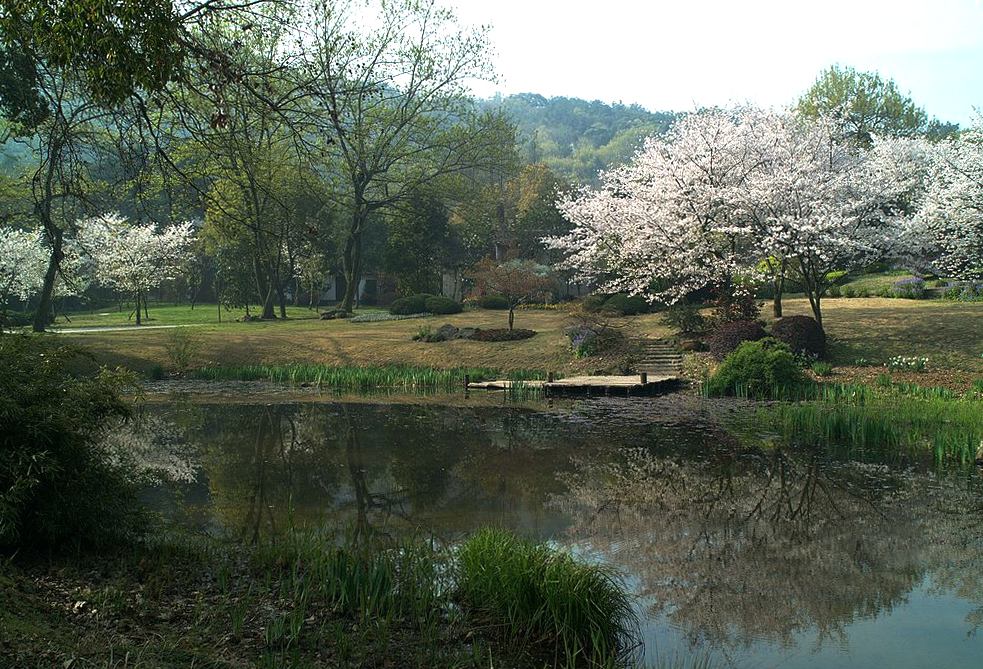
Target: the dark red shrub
pixel 802 334
pixel 728 336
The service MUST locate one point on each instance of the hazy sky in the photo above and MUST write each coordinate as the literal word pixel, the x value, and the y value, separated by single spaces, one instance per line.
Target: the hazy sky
pixel 685 53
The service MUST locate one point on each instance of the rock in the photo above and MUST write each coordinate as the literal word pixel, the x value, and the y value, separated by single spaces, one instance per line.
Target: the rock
pixel 692 345
pixel 328 316
pixel 467 333
pixel 341 313
pixel 447 332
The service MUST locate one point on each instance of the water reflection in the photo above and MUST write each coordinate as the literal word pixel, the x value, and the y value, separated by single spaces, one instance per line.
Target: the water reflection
pixel 764 554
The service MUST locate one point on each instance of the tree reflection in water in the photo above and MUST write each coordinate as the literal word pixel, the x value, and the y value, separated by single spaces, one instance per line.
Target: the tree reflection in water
pixel 744 544
pixel 731 542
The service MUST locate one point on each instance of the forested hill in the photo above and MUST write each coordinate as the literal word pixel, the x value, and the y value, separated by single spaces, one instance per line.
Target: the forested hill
pixel 576 137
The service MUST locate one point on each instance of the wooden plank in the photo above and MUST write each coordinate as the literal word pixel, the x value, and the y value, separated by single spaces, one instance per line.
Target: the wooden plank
pixel 631 382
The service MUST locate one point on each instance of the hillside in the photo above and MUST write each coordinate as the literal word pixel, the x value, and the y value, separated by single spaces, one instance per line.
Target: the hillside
pixel 576 137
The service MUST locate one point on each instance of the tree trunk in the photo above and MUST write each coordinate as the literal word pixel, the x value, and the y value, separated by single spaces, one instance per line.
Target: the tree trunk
pixel 268 307
pixel 776 304
pixel 146 309
pixel 48 288
pixel 282 299
pixel 352 265
pixel 138 307
pixel 511 316
pixel 264 289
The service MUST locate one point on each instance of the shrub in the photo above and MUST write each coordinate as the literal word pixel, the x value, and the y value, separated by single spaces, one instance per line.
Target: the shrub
pixel 964 292
pixel 493 301
pixel 182 348
pixel 625 305
pixel 442 305
pixel 742 306
pixel 848 291
pixel 833 291
pixel 728 336
pixel 587 339
pixel 759 369
pixel 502 334
pixel 532 592
pixel 802 334
pixel 412 304
pixel 911 288
pixel 685 317
pixel 57 485
pixel 822 369
pixel 593 303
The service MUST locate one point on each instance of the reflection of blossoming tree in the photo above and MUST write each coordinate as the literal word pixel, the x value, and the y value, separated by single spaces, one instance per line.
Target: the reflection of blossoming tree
pixel 155 447
pixel 760 545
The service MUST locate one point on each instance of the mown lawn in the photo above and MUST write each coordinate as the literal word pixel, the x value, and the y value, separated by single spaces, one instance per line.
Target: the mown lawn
pixel 950 334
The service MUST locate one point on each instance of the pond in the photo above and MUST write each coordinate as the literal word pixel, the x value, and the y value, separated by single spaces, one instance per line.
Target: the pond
pixel 741 549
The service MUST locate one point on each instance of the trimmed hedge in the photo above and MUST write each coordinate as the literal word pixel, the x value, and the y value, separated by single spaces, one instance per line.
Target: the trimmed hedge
pixel 728 336
pixel 802 334
pixel 493 302
pixel 412 304
pixel 442 305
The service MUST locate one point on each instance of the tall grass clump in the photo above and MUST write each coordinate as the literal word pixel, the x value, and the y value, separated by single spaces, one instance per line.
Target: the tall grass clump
pixel 394 377
pixel 402 581
pixel 578 613
pixel 951 430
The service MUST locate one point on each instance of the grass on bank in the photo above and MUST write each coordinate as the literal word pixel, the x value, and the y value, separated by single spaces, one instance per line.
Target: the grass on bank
pixel 950 430
pixel 391 377
pixel 950 334
pixel 529 592
pixel 310 600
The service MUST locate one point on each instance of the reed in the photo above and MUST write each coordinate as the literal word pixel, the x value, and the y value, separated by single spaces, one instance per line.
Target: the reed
pixel 578 613
pixel 950 429
pixel 392 377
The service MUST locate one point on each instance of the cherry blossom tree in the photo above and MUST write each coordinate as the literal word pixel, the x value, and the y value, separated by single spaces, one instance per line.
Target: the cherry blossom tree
pixel 23 261
pixel 950 220
pixel 817 204
pixel 663 218
pixel 135 258
pixel 726 189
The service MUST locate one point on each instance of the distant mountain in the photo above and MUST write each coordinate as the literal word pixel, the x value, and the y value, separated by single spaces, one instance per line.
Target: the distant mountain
pixel 576 137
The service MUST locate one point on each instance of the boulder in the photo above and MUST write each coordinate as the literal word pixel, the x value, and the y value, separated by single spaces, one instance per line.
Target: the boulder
pixel 447 332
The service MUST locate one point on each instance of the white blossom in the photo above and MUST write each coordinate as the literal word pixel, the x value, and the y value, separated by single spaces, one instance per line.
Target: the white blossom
pixel 135 258
pixel 950 222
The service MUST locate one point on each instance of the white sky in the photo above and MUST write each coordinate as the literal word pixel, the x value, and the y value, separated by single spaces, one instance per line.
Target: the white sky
pixel 678 54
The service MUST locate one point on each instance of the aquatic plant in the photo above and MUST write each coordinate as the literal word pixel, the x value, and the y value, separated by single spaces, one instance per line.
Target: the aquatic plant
pixel 400 377
pixel 948 428
pixel 538 595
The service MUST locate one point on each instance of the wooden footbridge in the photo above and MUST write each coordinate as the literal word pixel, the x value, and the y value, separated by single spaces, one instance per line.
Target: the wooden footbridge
pixel 636 384
pixel 660 370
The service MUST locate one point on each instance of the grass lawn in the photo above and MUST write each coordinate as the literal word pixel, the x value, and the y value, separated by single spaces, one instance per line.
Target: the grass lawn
pixel 168 314
pixel 950 334
pixel 338 342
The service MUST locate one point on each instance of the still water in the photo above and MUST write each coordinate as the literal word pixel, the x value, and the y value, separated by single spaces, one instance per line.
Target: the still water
pixel 741 549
